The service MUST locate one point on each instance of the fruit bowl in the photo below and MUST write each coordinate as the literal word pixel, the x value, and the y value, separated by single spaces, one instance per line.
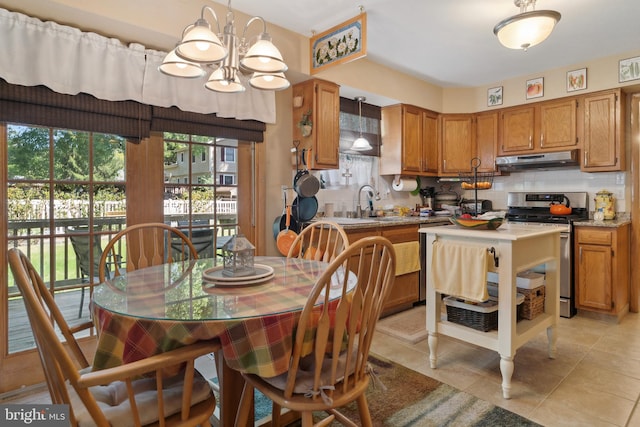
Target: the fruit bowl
pixel 478 224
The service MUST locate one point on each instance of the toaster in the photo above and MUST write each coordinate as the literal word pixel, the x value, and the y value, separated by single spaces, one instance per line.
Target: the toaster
pixel 466 206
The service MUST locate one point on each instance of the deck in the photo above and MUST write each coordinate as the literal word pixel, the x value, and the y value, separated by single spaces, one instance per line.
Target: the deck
pixel 20 336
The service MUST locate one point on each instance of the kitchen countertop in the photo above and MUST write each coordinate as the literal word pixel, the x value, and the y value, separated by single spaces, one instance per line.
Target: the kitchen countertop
pixel 385 221
pixel 507 231
pixel 620 220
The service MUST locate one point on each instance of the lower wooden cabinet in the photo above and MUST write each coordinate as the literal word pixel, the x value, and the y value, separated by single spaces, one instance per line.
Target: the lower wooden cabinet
pixel 406 287
pixel 602 269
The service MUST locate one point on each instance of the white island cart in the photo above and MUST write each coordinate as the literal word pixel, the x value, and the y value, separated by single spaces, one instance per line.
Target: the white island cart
pixel 515 248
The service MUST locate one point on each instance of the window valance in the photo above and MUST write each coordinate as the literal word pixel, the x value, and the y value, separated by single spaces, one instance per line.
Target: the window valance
pixel 70 61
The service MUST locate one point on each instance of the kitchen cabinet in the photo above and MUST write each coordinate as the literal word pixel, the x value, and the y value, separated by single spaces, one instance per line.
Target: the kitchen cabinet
pixel 486 136
pixel 602 269
pixel 457 144
pixel 409 141
pixel 322 100
pixel 602 127
pixel 542 127
pixel 405 291
pixel 406 287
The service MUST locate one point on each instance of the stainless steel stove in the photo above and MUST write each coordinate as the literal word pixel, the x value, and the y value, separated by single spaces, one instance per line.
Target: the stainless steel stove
pixel 534 209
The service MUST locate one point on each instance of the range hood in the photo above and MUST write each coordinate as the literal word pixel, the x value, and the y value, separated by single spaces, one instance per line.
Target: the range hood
pixel 541 161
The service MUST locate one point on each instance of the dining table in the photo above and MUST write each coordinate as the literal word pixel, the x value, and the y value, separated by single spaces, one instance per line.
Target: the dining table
pixel 253 317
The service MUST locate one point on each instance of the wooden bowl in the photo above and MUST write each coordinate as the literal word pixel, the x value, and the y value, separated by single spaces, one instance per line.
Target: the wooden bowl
pixel 478 224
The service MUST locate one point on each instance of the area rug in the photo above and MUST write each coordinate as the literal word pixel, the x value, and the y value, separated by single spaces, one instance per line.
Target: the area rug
pixel 413 399
pixel 409 325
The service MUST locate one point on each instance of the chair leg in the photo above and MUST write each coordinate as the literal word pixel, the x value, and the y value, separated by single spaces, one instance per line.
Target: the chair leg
pixel 244 408
pixel 363 409
pixel 307 419
pixel 81 303
pixel 275 414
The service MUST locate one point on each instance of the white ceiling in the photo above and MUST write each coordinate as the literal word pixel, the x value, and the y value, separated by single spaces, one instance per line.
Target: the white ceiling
pixel 451 43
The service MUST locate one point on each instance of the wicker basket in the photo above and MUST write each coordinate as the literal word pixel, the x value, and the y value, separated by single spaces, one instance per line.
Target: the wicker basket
pixel 480 180
pixel 533 304
pixel 483 317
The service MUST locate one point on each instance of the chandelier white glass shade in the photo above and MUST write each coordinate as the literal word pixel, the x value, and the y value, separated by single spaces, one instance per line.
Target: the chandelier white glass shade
pixel 526 29
pixel 227 55
pixel 360 144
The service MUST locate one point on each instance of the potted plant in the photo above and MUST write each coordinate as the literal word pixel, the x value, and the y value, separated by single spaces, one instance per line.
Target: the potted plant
pixel 306 124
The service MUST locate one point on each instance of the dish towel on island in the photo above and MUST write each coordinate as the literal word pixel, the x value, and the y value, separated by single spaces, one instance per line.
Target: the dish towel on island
pixel 407 257
pixel 460 270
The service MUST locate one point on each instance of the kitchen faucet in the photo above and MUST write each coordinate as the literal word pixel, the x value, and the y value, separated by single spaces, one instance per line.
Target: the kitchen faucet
pixel 371 194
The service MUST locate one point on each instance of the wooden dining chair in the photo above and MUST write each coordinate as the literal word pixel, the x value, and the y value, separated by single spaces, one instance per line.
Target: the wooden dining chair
pixel 146 245
pixel 137 393
pixel 328 367
pixel 319 241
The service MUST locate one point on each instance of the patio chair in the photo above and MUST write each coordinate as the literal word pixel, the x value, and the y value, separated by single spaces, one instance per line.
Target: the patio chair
pixel 115 396
pixel 146 245
pixel 80 242
pixel 320 241
pixel 331 370
pixel 202 239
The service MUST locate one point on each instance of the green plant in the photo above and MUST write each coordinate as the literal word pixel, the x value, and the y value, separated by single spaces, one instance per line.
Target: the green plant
pixel 306 119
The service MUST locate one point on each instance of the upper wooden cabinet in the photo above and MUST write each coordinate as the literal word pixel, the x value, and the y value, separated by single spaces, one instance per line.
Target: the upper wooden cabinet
pixel 486 140
pixel 542 127
pixel 322 100
pixel 457 143
pixel 602 130
pixel 409 141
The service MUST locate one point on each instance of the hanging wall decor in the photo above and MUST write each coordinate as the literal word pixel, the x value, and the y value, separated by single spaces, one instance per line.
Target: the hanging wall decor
pixel 343 43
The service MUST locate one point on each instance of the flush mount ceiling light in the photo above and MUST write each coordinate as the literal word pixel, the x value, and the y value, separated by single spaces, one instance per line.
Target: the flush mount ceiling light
pixel 527 28
pixel 227 55
pixel 360 144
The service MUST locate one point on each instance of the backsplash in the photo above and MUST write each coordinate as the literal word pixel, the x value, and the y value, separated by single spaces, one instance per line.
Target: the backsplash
pixel 343 196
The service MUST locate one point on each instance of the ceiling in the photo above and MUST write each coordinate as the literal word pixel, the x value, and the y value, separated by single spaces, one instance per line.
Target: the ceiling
pixel 451 43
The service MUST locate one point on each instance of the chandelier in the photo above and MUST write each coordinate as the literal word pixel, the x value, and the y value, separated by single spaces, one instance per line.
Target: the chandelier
pixel 228 56
pixel 527 28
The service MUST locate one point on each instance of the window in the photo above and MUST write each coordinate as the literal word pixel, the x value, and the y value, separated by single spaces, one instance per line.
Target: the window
pixel 228 155
pixel 350 123
pixel 205 198
pixel 59 183
pixel 226 179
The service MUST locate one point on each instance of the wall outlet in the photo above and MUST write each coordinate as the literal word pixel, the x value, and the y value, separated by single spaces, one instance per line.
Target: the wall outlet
pixel 620 178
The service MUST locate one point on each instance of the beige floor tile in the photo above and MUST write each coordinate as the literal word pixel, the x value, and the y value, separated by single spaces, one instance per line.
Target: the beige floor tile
pixel 593 381
pixel 555 413
pixel 590 375
pixel 593 402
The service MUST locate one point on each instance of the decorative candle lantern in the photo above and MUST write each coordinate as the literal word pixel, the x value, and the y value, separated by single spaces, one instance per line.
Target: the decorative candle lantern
pixel 238 255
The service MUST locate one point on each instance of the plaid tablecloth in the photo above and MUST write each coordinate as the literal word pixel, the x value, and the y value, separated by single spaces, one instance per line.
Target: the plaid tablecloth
pixel 137 317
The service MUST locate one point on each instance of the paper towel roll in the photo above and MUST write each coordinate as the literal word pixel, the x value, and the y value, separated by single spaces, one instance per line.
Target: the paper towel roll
pixel 409 184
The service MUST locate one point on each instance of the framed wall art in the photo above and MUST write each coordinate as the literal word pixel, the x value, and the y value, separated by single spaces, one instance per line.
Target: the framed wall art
pixel 535 88
pixel 576 80
pixel 494 96
pixel 629 69
pixel 342 43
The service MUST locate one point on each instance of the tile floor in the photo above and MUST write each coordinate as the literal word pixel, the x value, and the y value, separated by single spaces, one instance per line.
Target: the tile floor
pixel 593 381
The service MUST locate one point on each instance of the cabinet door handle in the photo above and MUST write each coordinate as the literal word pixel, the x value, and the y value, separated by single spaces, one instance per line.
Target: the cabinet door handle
pixel 541 140
pixel 530 141
pixel 580 256
pixel 585 157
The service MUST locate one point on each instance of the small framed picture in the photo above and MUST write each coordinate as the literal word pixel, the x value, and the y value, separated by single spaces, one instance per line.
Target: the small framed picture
pixel 576 80
pixel 494 96
pixel 535 88
pixel 629 69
